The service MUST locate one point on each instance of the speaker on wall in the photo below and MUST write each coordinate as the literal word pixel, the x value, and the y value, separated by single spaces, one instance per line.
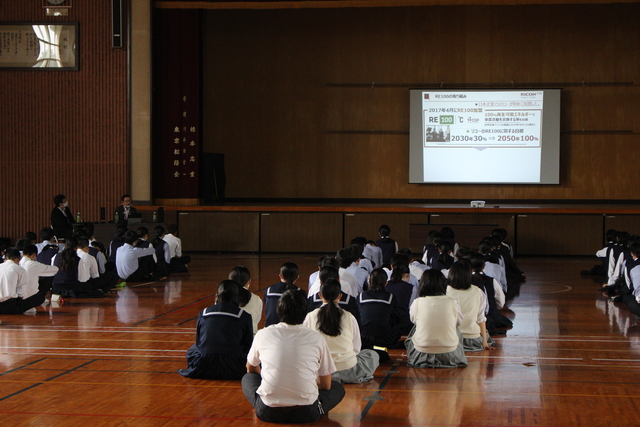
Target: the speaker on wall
pixel 212 177
pixel 116 24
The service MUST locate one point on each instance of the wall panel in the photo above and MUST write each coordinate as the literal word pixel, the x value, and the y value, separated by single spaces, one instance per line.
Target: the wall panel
pixel 559 234
pixel 287 130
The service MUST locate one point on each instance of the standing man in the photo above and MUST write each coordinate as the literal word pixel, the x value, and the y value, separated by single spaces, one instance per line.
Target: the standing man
pixel 289 368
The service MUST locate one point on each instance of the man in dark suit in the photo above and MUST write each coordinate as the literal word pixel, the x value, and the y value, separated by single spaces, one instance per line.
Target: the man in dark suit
pixel 61 218
pixel 125 210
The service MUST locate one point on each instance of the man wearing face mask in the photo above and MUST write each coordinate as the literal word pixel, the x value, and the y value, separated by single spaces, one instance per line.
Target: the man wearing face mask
pixel 61 217
pixel 125 210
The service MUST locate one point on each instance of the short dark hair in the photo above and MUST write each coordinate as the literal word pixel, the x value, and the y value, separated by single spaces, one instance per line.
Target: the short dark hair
pixel 130 237
pixel 46 233
pixel 460 275
pixel 432 283
pixel 172 228
pixel 12 254
pixel 30 250
pixel 327 272
pixel 384 230
pixel 59 199
pixel 83 242
pixel 293 307
pixel 124 196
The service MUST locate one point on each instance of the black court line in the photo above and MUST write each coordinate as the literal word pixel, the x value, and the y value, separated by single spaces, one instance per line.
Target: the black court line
pixel 42 382
pixel 376 396
pixel 23 366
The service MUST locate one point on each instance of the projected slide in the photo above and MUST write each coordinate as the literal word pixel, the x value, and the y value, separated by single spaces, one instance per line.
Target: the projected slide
pixel 473 119
pixel 484 136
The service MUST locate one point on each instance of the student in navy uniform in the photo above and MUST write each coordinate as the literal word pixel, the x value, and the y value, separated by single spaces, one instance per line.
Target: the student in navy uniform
pixel 347 302
pixel 387 245
pixel 224 334
pixel 288 277
pixel 603 255
pixel 379 315
pixel 430 250
pixel 493 291
pixel 65 282
pixel 402 291
pixel 163 255
pixel 632 297
pixel 445 259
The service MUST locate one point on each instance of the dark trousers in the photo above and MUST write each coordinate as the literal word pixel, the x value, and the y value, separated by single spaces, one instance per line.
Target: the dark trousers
pixel 327 400
pixel 19 305
pixel 632 304
pixel 179 265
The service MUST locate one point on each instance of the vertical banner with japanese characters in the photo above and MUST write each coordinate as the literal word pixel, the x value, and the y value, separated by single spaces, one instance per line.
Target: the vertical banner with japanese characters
pixel 177 118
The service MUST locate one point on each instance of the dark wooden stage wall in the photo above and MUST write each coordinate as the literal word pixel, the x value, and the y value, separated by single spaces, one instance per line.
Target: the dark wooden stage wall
pixel 270 107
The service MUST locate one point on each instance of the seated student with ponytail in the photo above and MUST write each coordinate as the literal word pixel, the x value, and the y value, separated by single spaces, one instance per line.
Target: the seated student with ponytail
pixel 402 290
pixel 340 329
pixel 251 303
pixel 379 315
pixel 347 302
pixel 435 341
pixel 472 304
pixel 288 277
pixel 224 334
pixel 445 258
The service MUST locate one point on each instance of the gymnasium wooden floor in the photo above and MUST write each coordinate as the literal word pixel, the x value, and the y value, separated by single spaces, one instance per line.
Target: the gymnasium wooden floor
pixel 571 359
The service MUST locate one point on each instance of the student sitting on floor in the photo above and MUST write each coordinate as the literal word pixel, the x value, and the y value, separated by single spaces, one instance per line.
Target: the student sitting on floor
pixel 288 277
pixel 340 330
pixel 493 292
pixel 402 290
pixel 289 368
pixel 39 275
pixel 163 254
pixel 435 341
pixel 347 302
pixel 251 303
pixel 130 262
pixel 224 334
pixel 14 286
pixel 472 304
pixel 178 262
pixel 65 282
pixel 379 315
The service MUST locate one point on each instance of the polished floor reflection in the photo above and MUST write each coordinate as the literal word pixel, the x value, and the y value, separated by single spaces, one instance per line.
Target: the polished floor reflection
pixel 571 359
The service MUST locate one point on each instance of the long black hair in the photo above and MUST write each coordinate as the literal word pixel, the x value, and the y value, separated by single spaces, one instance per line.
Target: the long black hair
pixel 289 273
pixel 227 292
pixel 398 272
pixel 241 275
pixel 329 314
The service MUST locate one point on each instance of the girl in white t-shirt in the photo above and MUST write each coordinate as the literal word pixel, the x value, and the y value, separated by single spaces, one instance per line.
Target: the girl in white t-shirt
pixel 435 341
pixel 340 329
